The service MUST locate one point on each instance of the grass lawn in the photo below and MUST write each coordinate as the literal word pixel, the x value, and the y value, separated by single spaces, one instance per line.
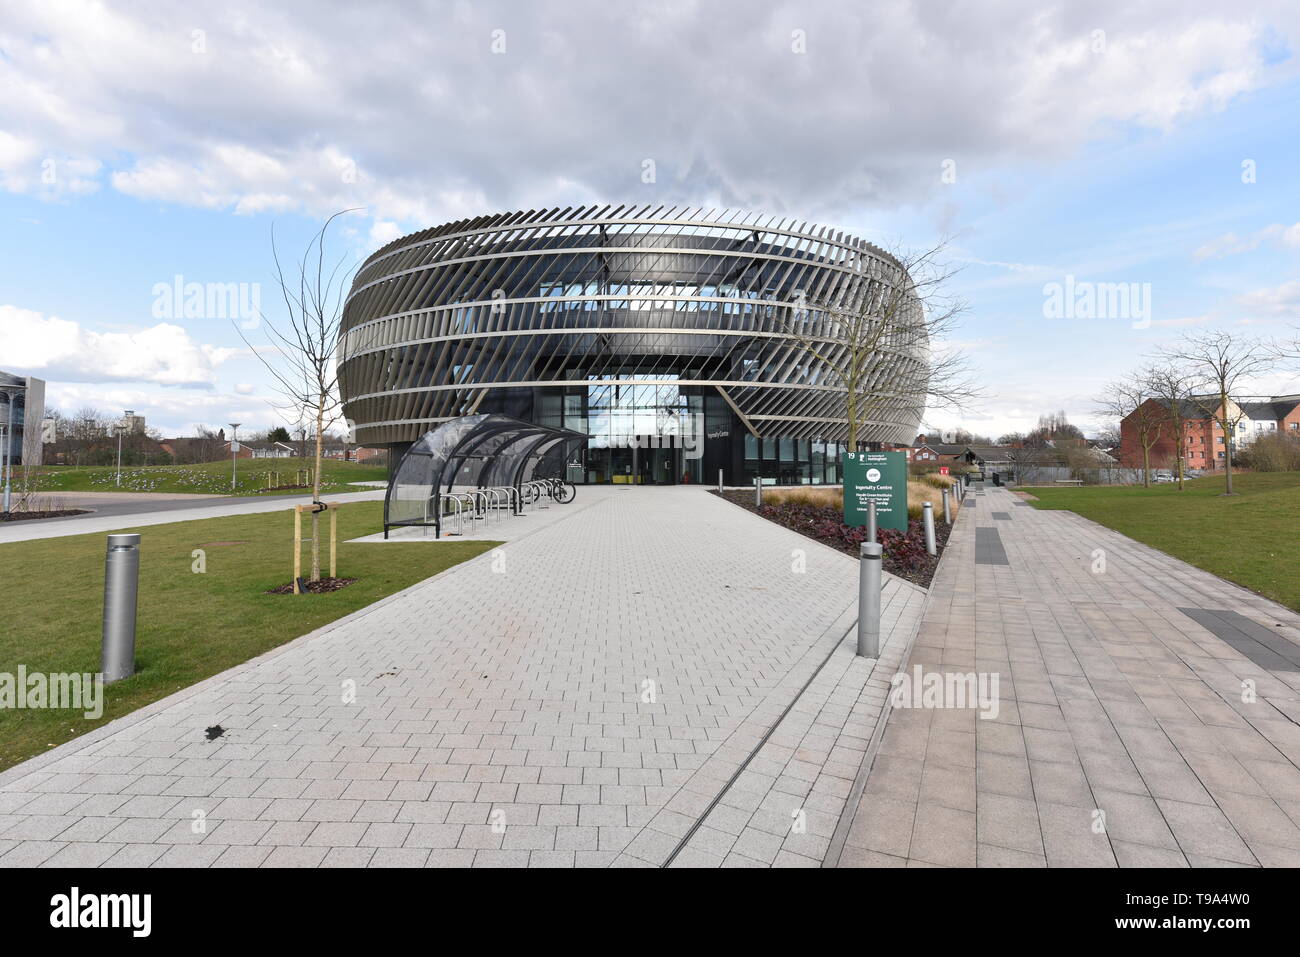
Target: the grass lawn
pixel 209 477
pixel 1251 538
pixel 190 625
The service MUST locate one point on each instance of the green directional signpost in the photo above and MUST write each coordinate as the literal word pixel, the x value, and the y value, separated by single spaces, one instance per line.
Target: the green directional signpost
pixel 881 476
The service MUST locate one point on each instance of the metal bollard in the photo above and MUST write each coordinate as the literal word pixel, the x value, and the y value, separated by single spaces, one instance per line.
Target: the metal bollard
pixel 947 512
pixel 719 481
pixel 758 490
pixel 927 515
pixel 872 536
pixel 869 578
pixel 121 581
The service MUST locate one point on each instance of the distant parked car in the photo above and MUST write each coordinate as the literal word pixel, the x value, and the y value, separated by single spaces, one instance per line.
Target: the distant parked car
pixel 1163 475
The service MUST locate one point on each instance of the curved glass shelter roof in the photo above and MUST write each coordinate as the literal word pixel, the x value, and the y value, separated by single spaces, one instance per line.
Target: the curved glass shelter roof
pixel 472 451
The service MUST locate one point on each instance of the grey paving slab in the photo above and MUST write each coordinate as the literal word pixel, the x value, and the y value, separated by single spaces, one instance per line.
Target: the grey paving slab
pixel 988 546
pixel 1147 711
pixel 1255 642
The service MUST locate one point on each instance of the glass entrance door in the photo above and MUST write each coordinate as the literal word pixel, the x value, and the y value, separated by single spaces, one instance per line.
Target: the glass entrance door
pixel 624 465
pixel 648 411
pixel 660 466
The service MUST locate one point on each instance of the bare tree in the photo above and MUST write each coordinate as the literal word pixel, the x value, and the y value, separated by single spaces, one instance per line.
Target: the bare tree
pixel 302 357
pixel 1109 436
pixel 1128 400
pixel 1174 387
pixel 881 338
pixel 962 437
pixel 1025 461
pixel 29 471
pixel 1224 361
pixel 1054 429
pixel 1286 352
pixel 87 427
pixel 207 446
pixel 203 446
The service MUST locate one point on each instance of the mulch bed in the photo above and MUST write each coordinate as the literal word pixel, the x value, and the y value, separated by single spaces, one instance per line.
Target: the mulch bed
pixel 315 588
pixel 904 555
pixel 53 513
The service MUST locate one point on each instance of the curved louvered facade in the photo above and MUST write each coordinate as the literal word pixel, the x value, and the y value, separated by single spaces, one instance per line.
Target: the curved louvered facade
pixel 682 342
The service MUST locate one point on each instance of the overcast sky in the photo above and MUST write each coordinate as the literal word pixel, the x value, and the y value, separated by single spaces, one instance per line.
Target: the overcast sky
pixel 1153 145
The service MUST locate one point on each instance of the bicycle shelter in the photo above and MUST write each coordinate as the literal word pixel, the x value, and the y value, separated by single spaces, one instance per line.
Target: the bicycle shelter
pixel 497 461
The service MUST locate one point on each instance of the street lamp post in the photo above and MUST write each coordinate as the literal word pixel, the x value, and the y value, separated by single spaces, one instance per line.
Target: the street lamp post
pixel 234 453
pixel 122 426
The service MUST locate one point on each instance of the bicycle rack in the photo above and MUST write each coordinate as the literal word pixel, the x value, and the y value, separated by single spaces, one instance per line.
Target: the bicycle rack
pixel 502 498
pixel 493 496
pixel 483 503
pixel 536 490
pixel 478 505
pixel 456 500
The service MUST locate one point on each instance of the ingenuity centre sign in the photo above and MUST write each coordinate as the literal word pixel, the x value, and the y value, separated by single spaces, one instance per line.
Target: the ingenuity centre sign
pixel 878 476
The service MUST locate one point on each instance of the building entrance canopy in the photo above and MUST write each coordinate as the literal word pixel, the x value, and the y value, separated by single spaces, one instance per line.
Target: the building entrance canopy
pixel 473 451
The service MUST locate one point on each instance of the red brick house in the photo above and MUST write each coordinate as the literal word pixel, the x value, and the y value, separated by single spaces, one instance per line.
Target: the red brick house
pixel 924 454
pixel 1204 445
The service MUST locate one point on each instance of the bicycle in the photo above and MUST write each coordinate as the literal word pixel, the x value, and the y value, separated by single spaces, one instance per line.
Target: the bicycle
pixel 563 491
pixel 558 490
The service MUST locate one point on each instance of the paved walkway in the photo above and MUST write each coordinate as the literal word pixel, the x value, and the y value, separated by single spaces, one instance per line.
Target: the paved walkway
pixel 138 509
pixel 1149 712
pixel 658 678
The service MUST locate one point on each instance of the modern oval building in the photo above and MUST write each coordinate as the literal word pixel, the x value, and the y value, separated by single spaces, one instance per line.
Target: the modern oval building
pixel 681 342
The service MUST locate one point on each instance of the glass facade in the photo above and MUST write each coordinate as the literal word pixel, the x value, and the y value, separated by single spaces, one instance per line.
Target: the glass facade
pixel 645 429
pixel 784 461
pixel 649 430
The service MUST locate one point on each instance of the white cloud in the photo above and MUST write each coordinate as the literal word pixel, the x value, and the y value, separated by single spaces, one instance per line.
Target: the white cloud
pixel 280 108
pixel 1181 321
pixel 1277 301
pixel 1230 243
pixel 384 232
pixel 25 169
pixel 54 348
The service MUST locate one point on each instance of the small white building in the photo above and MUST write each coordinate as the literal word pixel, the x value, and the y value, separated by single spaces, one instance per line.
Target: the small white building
pixel 263 450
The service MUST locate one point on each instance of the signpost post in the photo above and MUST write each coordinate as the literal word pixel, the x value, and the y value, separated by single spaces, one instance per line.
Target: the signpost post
pixel 879 477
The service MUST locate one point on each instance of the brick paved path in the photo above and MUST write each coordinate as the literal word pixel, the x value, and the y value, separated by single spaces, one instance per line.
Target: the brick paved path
pixel 1121 692
pixel 505 715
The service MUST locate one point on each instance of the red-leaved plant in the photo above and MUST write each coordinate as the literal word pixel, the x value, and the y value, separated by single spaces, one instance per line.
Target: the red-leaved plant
pixel 825 523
